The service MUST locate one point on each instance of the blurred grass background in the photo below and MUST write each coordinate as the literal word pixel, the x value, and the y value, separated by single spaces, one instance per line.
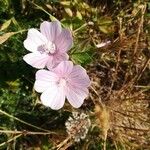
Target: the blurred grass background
pixel 120 73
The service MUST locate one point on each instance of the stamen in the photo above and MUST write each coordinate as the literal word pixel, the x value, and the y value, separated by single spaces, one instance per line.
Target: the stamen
pixel 48 48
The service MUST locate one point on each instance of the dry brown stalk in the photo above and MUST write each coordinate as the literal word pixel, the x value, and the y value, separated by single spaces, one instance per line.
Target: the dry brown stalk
pixel 143 9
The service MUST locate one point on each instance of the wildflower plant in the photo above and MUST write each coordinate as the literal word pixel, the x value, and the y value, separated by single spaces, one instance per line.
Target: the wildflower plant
pixel 115 44
pixel 59 78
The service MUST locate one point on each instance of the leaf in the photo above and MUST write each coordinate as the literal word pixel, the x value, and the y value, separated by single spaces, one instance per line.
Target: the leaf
pixel 49 6
pixel 16 23
pixel 85 5
pixel 5 25
pixel 78 14
pixel 104 29
pixel 13 85
pixel 6 36
pixel 69 12
pixel 65 3
pixel 81 58
pixel 53 18
pixel 105 21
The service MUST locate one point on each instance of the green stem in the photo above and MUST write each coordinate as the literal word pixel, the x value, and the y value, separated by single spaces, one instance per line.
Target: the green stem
pixel 20 31
pixel 39 7
pixel 84 25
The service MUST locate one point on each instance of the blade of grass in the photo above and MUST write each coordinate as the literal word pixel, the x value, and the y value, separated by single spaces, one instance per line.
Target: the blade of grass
pixel 41 8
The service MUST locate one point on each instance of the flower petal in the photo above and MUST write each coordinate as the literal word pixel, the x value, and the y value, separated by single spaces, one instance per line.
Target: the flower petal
pixel 36 60
pixel 76 95
pixel 53 97
pixel 79 77
pixel 34 40
pixel 47 76
pixel 44 80
pixel 41 86
pixel 51 29
pixel 57 58
pixel 64 41
pixel 61 57
pixel 50 63
pixel 64 68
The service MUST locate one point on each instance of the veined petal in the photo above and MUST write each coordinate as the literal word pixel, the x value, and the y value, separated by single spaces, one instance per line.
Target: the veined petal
pixel 50 63
pixel 76 95
pixel 34 40
pixel 79 77
pixel 51 29
pixel 47 76
pixel 36 60
pixel 57 58
pixel 45 80
pixel 42 85
pixel 64 68
pixel 64 41
pixel 61 57
pixel 53 97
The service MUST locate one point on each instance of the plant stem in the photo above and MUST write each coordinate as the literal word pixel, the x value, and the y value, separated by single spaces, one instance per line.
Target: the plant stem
pixel 24 122
pixel 24 132
pixel 10 140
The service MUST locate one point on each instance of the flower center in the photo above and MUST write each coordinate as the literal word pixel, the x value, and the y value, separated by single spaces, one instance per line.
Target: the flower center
pixel 62 82
pixel 48 48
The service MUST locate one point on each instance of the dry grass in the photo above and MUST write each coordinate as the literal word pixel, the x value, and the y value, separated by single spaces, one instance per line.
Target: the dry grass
pixel 120 83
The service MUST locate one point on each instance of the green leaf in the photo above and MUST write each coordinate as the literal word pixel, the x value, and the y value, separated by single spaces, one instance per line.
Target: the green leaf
pixel 65 3
pixel 105 21
pixel 81 58
pixel 16 23
pixel 78 14
pixel 104 29
pixel 53 18
pixel 68 11
pixel 5 25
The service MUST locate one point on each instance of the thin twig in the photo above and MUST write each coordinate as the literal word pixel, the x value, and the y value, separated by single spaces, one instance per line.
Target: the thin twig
pixel 66 146
pixel 10 140
pixel 24 122
pixel 143 9
pixel 39 7
pixel 142 70
pixel 61 144
pixel 104 145
pixel 93 89
pixel 130 128
pixel 24 132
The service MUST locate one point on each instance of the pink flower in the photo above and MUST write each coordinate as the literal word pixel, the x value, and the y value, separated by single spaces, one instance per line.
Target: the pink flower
pixel 64 81
pixel 48 47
